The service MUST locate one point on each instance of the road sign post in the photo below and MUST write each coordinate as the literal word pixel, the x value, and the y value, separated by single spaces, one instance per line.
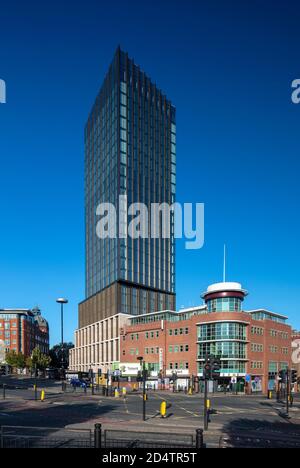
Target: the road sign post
pixel 144 391
pixel 205 405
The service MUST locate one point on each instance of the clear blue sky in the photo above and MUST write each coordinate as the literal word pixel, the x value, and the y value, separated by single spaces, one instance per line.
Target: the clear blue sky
pixel 228 68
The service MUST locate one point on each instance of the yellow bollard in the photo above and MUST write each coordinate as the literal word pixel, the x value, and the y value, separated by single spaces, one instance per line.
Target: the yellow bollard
pixel 124 391
pixel 190 391
pixel 117 394
pixel 163 409
pixel 42 395
pixel 208 404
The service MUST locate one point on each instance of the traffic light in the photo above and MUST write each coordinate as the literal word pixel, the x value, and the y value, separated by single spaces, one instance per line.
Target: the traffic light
pixel 294 376
pixel 142 375
pixel 216 367
pixel 207 371
pixel 282 375
pixel 99 373
pixel 212 368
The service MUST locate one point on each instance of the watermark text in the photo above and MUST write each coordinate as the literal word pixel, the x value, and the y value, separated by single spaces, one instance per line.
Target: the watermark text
pixel 2 92
pixel 157 221
pixel 296 92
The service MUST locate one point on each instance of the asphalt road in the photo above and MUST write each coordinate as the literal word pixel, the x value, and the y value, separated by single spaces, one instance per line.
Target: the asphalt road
pixel 254 415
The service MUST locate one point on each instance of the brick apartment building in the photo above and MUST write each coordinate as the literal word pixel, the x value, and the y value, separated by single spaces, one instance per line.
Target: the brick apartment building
pixel 254 345
pixel 22 330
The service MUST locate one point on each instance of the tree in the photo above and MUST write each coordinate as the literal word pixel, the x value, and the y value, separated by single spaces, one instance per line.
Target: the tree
pixel 28 363
pixel 20 361
pixel 11 358
pixel 15 360
pixel 38 360
pixel 56 355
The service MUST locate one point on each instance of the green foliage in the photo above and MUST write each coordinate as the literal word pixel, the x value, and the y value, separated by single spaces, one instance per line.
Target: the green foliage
pixel 28 363
pixel 15 360
pixel 39 360
pixel 56 355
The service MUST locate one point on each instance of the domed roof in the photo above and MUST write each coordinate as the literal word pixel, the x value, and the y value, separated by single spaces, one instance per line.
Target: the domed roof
pixel 42 322
pixel 225 287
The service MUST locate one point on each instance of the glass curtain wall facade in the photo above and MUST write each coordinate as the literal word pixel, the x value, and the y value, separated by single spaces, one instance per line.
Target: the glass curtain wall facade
pixel 227 340
pixel 225 304
pixel 130 150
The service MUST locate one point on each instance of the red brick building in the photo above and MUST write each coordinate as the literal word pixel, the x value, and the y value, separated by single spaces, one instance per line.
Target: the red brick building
pixel 296 354
pixel 22 330
pixel 253 346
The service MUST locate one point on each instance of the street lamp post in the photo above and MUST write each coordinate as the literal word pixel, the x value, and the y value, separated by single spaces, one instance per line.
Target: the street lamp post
pixel 62 301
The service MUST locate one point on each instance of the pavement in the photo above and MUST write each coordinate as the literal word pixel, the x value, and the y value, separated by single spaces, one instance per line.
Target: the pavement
pixel 250 416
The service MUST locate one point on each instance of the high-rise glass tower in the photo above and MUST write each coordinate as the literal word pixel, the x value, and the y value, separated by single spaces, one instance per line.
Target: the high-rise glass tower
pixel 130 150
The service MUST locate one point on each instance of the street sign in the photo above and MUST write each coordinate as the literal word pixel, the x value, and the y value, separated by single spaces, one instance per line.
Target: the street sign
pixel 248 378
pixel 233 380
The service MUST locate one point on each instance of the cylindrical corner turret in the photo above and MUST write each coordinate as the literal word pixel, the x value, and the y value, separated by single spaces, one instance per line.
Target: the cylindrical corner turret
pixel 224 297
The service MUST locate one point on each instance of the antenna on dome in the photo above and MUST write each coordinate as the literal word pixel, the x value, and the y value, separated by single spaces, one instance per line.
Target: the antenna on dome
pixel 224 265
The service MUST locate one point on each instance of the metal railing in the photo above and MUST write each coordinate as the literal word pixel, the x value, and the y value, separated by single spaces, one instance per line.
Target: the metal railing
pixel 134 439
pixel 45 437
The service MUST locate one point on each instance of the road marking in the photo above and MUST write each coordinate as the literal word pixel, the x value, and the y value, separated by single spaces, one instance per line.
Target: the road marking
pixel 126 407
pixel 180 407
